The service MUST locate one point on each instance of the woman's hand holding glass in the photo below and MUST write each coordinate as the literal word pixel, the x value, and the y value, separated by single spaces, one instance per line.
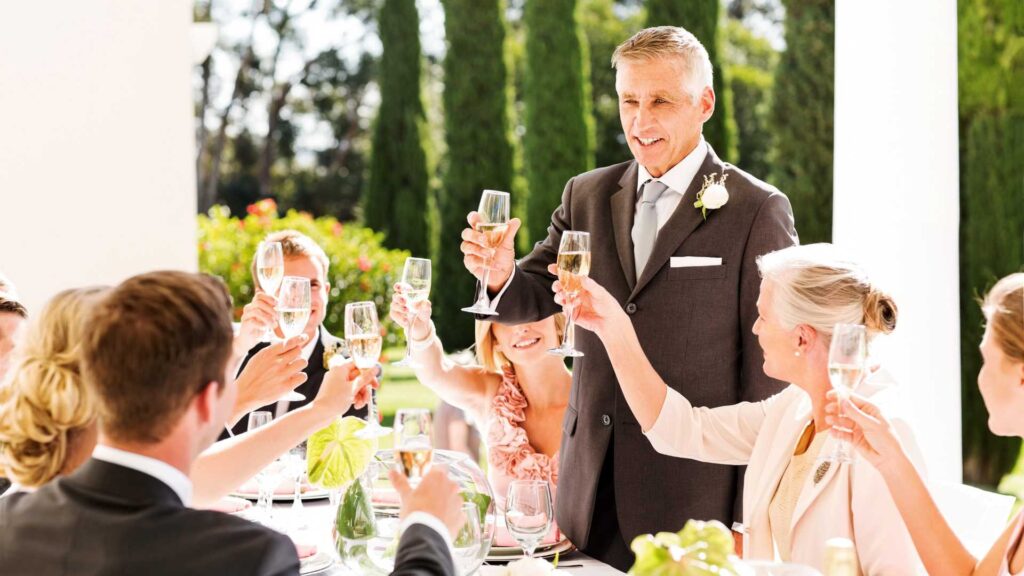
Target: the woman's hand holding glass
pixel 594 308
pixel 856 420
pixel 415 322
pixel 344 386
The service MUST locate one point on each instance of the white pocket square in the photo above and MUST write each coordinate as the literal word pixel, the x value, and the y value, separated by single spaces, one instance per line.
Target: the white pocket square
pixel 693 261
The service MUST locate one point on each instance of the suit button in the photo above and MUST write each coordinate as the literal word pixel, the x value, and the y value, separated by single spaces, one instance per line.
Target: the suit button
pixel 631 308
pixel 606 420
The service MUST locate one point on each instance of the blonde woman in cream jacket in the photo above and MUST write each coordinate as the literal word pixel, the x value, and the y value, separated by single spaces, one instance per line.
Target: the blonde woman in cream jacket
pixel 792 503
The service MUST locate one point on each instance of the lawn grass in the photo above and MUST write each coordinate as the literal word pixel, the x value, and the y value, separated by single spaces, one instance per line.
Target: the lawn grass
pixel 399 388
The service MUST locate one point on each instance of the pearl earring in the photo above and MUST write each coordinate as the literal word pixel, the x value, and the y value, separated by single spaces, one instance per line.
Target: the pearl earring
pixel 797 353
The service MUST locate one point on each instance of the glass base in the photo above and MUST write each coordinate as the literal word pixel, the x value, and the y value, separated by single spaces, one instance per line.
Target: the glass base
pixel 481 309
pixel 373 431
pixel 565 352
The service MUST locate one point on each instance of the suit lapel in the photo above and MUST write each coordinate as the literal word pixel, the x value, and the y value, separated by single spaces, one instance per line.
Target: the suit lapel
pixel 811 489
pixel 680 225
pixel 623 207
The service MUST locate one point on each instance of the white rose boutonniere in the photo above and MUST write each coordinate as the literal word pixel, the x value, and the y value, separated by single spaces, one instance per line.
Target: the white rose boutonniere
pixel 531 567
pixel 713 194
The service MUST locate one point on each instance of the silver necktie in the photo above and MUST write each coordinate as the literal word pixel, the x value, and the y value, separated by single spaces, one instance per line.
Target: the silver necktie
pixel 645 227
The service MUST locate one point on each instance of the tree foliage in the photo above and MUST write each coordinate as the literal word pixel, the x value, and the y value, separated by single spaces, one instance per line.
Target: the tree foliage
pixel 802 116
pixel 477 100
pixel 701 18
pixel 751 61
pixel 397 198
pixel 559 140
pixel 991 68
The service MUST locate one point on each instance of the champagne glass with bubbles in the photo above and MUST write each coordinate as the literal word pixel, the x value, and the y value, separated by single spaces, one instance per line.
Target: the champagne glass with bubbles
pixel 847 359
pixel 573 267
pixel 416 277
pixel 413 447
pixel 494 212
pixel 293 310
pixel 269 271
pixel 528 513
pixel 362 332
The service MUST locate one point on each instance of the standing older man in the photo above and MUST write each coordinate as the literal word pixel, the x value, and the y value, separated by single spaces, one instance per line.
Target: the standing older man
pixel 686 273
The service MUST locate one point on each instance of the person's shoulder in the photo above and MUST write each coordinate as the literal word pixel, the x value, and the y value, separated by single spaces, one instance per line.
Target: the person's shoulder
pixel 750 185
pixel 256 544
pixel 603 175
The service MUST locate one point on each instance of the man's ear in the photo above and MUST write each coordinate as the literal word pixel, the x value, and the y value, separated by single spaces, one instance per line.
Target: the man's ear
pixel 707 102
pixel 206 401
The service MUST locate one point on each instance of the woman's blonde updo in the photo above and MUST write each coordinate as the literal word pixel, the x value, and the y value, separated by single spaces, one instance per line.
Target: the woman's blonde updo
pixel 1004 312
pixel 816 286
pixel 44 406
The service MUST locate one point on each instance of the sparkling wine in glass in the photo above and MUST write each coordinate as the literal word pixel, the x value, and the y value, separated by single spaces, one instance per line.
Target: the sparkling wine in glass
pixel 528 513
pixel 413 447
pixel 269 270
pixel 466 545
pixel 847 358
pixel 494 214
pixel 293 309
pixel 573 266
pixel 362 333
pixel 416 278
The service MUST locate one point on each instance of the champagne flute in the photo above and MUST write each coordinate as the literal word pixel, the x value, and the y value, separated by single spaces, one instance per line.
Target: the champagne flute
pixel 269 271
pixel 362 332
pixel 466 545
pixel 528 513
pixel 494 210
pixel 297 471
pixel 416 277
pixel 413 447
pixel 293 310
pixel 264 503
pixel 573 266
pixel 847 357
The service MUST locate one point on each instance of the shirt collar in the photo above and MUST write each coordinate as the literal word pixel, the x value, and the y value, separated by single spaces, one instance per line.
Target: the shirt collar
pixel 678 178
pixel 158 469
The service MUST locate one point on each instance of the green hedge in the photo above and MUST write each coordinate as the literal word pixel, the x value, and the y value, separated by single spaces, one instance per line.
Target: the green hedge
pixel 361 269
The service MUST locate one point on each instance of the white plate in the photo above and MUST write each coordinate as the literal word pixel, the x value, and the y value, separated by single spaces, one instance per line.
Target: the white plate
pixel 312 494
pixel 507 554
pixel 316 563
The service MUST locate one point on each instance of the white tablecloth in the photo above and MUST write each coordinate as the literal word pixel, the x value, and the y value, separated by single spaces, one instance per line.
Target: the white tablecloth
pixel 319 517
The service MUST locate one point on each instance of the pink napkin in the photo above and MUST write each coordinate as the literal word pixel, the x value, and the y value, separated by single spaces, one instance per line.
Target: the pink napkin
pixel 305 550
pixel 389 497
pixel 504 539
pixel 231 505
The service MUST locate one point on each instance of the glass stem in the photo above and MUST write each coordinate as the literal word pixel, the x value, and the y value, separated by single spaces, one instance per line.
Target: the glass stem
pixel 484 298
pixel 408 347
pixel 371 412
pixel 569 339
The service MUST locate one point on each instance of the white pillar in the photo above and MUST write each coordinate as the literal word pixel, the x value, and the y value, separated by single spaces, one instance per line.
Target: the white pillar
pixel 897 195
pixel 97 173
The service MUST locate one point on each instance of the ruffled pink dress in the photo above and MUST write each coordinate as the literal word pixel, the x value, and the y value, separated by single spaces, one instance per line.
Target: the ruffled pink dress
pixel 509 453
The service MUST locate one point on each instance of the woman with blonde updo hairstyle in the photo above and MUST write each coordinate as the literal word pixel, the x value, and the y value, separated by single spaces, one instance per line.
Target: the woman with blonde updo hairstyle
pixel 793 502
pixel 47 416
pixel 1001 382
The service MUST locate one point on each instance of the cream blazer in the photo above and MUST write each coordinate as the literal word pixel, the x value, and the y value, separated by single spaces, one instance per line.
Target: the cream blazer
pixel 850 500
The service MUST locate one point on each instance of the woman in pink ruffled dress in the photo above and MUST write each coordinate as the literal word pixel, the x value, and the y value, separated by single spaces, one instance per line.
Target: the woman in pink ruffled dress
pixel 517 393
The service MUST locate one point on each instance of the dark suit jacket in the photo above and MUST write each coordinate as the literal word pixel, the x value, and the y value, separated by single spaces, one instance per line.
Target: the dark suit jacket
pixel 106 519
pixel 314 371
pixel 693 323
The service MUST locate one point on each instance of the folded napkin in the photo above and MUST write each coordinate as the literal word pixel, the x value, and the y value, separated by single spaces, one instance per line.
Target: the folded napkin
pixel 305 550
pixel 503 538
pixel 231 505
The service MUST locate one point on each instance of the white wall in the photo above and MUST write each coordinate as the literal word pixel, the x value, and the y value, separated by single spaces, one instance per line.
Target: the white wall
pixel 896 195
pixel 97 175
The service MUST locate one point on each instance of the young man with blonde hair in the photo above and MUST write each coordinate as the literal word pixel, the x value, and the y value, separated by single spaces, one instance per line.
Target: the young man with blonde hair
pixel 683 266
pixel 157 357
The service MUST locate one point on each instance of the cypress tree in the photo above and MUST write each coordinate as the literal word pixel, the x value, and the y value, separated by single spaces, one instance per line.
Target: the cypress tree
pixel 477 125
pixel 801 116
pixel 701 18
pixel 991 203
pixel 397 197
pixel 559 140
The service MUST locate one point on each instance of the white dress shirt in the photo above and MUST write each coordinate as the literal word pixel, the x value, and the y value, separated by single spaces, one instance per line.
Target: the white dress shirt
pixel 162 471
pixel 678 179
